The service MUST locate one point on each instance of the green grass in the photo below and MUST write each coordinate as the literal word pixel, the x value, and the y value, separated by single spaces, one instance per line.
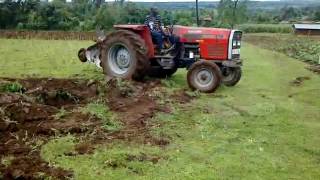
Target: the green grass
pixel 42 58
pixel 264 128
pixel 14 87
pixel 101 111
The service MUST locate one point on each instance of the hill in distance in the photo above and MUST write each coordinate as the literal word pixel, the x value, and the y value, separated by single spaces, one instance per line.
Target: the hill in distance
pixel 252 5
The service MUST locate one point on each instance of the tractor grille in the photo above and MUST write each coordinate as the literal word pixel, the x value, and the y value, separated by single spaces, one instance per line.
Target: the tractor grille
pixel 215 50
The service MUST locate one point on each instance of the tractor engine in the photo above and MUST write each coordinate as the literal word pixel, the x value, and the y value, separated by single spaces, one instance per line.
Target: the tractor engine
pixel 209 43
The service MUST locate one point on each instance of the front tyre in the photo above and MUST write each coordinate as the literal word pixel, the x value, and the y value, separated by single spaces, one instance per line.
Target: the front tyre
pixel 204 76
pixel 231 76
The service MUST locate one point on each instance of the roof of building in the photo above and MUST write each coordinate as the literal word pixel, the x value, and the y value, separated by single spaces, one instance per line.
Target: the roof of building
pixel 307 26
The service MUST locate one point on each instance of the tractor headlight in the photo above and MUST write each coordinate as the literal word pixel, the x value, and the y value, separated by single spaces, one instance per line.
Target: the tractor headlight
pixel 234 43
pixel 191 55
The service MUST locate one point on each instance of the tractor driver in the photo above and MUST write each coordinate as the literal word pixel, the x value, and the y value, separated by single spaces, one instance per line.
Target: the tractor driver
pixel 154 22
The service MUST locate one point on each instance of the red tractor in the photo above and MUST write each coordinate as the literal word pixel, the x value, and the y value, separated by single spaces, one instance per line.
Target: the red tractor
pixel 211 55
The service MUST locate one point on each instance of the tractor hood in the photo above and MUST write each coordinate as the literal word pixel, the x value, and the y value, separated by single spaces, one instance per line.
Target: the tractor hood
pixel 196 34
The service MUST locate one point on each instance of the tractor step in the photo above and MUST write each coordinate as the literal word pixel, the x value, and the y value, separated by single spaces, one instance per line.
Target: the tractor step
pixel 166 62
pixel 164 57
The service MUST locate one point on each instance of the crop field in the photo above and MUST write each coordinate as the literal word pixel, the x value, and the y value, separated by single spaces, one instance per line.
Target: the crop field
pixel 303 48
pixel 266 28
pixel 59 119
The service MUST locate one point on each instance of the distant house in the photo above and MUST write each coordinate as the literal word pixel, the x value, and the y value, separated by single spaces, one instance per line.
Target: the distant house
pixel 307 29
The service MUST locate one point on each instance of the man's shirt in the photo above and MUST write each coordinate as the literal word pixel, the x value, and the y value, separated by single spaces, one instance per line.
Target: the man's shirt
pixel 154 23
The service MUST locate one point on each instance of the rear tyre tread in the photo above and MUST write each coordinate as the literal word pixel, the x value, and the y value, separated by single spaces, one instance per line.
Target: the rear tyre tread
pixel 136 44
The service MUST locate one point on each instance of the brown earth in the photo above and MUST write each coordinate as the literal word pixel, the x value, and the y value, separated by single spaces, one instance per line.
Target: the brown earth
pixel 299 81
pixel 29 118
pixel 314 68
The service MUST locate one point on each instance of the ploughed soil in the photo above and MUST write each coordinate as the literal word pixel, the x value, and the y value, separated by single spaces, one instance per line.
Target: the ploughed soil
pixel 31 116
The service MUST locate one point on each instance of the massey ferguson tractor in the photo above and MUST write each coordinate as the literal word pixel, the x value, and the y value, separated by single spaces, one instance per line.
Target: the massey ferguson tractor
pixel 211 55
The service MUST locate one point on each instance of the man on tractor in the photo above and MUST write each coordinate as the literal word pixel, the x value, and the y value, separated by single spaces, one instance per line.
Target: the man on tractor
pixel 155 25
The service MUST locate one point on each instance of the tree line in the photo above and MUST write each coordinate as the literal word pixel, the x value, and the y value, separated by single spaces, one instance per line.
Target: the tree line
pixel 87 15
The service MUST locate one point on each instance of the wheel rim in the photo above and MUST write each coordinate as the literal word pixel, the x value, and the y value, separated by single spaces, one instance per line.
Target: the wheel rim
pixel 119 59
pixel 204 78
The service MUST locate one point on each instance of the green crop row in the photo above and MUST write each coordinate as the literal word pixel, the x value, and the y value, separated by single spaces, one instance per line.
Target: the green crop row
pixel 265 28
pixel 305 48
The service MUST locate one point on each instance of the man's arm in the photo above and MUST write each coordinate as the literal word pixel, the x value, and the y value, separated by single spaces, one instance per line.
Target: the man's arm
pixel 160 23
pixel 146 21
pixel 160 20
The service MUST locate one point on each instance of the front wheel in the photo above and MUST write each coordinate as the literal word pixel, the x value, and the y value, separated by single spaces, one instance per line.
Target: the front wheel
pixel 231 76
pixel 204 76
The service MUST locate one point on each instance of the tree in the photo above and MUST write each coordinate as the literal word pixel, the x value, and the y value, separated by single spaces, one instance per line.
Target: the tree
pixel 231 12
pixel 317 15
pixel 289 13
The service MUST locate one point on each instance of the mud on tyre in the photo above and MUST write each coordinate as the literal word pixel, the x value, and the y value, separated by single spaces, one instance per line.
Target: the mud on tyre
pixel 204 76
pixel 124 55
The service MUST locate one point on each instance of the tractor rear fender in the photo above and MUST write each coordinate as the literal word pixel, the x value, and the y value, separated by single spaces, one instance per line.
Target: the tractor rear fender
pixel 145 34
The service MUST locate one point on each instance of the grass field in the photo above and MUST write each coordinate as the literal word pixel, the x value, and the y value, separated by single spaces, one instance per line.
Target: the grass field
pixel 264 128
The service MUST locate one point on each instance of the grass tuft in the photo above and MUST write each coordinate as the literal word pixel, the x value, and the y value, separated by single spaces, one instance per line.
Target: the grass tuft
pixel 14 87
pixel 101 111
pixel 61 114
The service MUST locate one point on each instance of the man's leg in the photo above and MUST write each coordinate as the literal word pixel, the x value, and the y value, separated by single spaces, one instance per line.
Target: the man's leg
pixel 174 39
pixel 157 36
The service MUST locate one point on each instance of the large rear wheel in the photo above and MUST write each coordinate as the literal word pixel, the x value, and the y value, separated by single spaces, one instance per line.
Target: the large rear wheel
pixel 124 55
pixel 231 76
pixel 204 76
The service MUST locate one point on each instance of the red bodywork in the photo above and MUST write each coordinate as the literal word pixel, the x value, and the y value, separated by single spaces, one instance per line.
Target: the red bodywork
pixel 213 42
pixel 144 32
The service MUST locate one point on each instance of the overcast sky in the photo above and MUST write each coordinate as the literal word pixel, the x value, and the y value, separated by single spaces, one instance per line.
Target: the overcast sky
pixel 178 0
pixel 168 0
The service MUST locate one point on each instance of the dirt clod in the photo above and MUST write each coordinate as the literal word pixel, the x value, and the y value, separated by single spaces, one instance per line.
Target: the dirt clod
pixel 314 68
pixel 299 81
